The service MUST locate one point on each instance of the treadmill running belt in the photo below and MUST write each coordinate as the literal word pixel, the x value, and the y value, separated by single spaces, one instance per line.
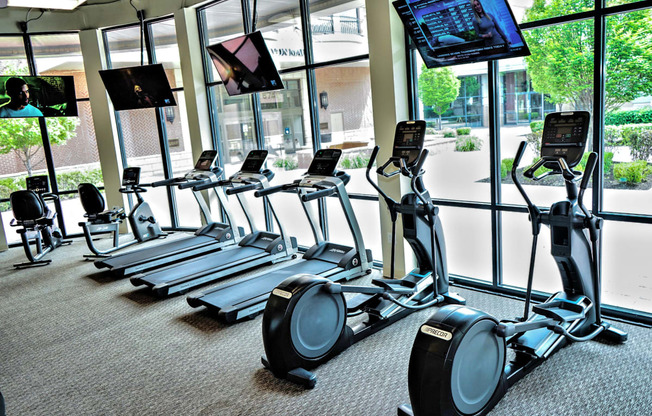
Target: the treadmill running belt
pixel 155 252
pixel 260 284
pixel 204 265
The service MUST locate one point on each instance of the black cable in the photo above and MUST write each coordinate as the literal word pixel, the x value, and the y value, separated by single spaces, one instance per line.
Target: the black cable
pixel 35 18
pixel 142 32
pixel 255 16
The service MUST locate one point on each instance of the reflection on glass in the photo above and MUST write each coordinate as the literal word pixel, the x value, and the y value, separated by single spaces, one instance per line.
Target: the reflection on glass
pixel 338 31
pixel 368 216
pixel 221 21
pixel 467 233
pixel 21 140
pixel 166 51
pixel 457 134
pixel 236 132
pixel 625 271
pixel 280 24
pixel 346 118
pixel 517 244
pixel 530 11
pixel 627 131
pixel 60 54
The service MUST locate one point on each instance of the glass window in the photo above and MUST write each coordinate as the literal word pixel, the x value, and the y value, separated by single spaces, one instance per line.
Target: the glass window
pixel 13 164
pixel 368 216
pixel 138 127
pixel 457 134
pixel 625 269
pixel 220 22
pixel 346 118
pixel 628 133
pixel 280 23
pixel 557 76
pixel 72 139
pixel 517 245
pixel 467 233
pixel 530 11
pixel 338 31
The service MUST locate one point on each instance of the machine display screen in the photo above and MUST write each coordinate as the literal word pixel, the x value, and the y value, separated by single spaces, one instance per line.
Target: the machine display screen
pixel 408 140
pixel 565 135
pixel 38 184
pixel 206 160
pixel 131 176
pixel 325 162
pixel 254 161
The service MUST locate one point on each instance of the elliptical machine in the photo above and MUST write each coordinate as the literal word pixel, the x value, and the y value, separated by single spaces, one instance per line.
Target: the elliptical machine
pixel 458 364
pixel 305 320
pixel 37 219
pixel 144 226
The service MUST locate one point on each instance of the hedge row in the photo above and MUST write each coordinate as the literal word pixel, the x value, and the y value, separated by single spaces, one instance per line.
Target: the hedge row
pixel 618 118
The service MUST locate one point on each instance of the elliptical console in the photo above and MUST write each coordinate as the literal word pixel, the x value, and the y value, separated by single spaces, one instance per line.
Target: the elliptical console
pixel 458 364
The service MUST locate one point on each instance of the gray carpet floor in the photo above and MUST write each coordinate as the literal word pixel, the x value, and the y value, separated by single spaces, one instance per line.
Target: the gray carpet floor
pixel 77 342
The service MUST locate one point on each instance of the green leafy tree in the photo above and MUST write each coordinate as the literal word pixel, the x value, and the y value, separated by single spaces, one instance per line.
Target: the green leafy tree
pixel 438 88
pixel 561 64
pixel 22 136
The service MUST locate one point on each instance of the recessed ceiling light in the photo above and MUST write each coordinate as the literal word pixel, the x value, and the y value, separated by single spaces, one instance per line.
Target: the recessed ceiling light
pixel 46 4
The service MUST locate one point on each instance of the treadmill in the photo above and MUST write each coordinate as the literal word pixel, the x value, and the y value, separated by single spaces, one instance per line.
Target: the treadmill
pixel 246 298
pixel 209 238
pixel 255 249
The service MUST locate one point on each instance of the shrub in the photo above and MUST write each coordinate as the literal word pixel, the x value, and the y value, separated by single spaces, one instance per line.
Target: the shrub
pixel 430 130
pixel 631 172
pixel 7 186
pixel 506 167
pixel 639 138
pixel 354 161
pixel 536 126
pixel 534 139
pixel 463 131
pixel 467 144
pixel 619 118
pixel 67 181
pixel 286 163
pixel 449 133
pixel 608 162
pixel 613 136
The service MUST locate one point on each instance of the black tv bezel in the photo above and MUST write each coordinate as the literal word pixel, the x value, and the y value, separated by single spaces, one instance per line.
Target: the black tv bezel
pixel 116 97
pixel 423 46
pixel 69 93
pixel 263 51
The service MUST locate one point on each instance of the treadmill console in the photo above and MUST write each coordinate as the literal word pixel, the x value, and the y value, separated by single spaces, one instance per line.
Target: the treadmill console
pixel 206 160
pixel 325 162
pixel 38 184
pixel 408 141
pixel 131 177
pixel 565 135
pixel 254 161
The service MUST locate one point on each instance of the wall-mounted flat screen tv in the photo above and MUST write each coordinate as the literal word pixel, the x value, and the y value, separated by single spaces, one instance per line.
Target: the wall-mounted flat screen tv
pixel 37 96
pixel 245 64
pixel 138 87
pixel 452 32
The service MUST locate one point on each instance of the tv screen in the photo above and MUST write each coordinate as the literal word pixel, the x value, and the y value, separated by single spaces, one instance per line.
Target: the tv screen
pixel 138 87
pixel 37 96
pixel 245 65
pixel 452 32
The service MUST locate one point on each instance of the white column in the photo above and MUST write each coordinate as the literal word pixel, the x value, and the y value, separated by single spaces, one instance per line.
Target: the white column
pixel 387 65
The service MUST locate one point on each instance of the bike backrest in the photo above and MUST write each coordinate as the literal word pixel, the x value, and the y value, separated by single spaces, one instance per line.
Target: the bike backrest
pixel 26 205
pixel 91 198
